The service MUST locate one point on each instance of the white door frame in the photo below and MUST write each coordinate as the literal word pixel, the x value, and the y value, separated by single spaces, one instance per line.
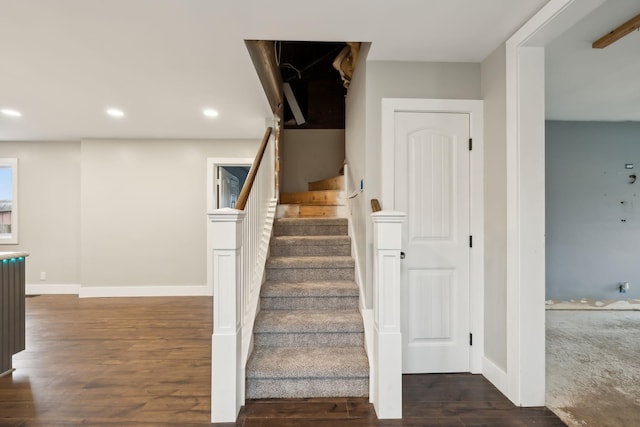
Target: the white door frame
pixel 526 196
pixel 212 166
pixel 476 274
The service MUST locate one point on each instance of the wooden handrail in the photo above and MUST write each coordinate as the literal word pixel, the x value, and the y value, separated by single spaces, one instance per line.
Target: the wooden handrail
pixel 375 205
pixel 248 184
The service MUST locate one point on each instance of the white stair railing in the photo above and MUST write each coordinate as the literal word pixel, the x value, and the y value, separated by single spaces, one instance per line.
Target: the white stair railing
pixel 386 361
pixel 239 247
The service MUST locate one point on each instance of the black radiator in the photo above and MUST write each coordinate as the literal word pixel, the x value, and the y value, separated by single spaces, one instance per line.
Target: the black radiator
pixel 12 310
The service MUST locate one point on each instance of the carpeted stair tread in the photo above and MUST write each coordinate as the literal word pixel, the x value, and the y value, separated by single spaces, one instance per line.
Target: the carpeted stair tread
pixel 310 226
pixel 309 339
pixel 321 295
pixel 310 246
pixel 329 288
pixel 311 240
pixel 308 321
pixel 311 262
pixel 307 362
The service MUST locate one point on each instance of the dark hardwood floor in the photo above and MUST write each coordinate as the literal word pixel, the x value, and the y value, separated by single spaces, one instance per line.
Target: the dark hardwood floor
pixel 145 362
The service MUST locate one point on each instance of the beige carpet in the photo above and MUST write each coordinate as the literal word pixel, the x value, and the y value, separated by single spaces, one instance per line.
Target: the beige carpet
pixel 593 367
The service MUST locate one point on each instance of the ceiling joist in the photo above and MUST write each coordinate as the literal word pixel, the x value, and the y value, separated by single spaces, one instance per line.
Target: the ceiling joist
pixel 615 35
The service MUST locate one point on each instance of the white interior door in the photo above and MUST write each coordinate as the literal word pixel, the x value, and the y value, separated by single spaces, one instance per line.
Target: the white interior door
pixel 432 187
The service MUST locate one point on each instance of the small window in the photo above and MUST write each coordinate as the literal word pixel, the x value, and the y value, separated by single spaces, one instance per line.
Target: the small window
pixel 8 201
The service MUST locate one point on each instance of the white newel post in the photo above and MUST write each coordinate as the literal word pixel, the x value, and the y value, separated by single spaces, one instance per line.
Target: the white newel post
pixel 227 374
pixel 387 245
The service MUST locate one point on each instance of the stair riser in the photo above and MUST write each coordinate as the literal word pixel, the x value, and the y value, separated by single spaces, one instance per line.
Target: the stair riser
pixel 310 250
pixel 310 211
pixel 309 230
pixel 302 263
pixel 308 303
pixel 309 274
pixel 355 339
pixel 320 197
pixel 305 387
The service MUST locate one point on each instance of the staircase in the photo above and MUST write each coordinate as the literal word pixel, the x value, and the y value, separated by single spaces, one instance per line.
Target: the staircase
pixel 309 335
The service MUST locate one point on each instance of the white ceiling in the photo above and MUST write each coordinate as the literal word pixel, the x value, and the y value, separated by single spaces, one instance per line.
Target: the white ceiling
pixel 595 84
pixel 64 62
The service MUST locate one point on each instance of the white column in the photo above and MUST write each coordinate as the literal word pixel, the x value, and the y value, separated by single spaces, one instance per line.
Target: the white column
pixel 525 226
pixel 387 357
pixel 227 372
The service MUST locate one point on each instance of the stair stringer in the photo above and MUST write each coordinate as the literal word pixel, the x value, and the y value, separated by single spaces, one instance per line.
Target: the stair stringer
pixel 367 313
pixel 258 276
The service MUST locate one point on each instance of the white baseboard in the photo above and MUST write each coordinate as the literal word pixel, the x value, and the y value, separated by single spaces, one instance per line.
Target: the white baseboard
pixel 51 289
pixel 144 291
pixel 117 291
pixel 496 375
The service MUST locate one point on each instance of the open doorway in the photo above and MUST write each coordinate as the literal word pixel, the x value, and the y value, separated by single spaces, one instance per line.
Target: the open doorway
pixel 592 218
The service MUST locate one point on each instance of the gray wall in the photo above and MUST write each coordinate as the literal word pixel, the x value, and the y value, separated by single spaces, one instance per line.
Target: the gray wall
pixel 116 212
pixel 310 155
pixel 394 79
pixel 590 250
pixel 49 198
pixel 495 206
pixel 355 157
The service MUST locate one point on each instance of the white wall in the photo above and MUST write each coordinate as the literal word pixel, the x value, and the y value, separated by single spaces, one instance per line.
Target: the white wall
pixel 495 202
pixel 116 212
pixel 310 155
pixel 592 237
pixel 49 197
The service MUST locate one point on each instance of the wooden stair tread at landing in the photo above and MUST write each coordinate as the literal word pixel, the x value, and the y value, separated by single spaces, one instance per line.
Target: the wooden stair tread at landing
pixel 321 198
pixel 333 183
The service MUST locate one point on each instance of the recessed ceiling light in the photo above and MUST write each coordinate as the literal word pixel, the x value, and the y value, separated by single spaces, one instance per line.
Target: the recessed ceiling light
pixel 210 112
pixel 11 113
pixel 114 112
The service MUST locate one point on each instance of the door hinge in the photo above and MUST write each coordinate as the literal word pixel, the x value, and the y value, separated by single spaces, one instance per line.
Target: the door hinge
pixel 470 144
pixel 470 241
pixel 470 339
